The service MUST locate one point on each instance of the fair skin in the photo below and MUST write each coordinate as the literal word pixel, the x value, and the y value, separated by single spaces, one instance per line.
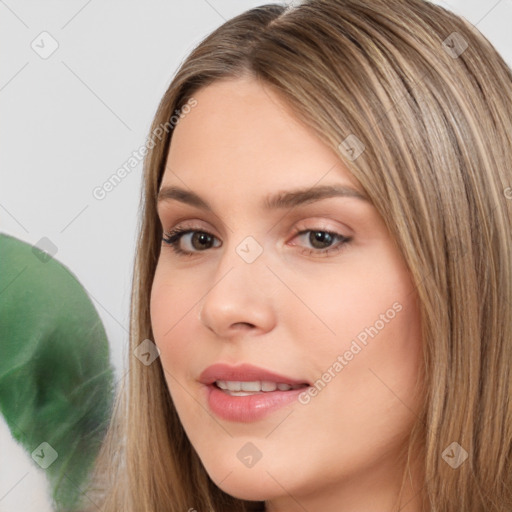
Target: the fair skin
pixel 293 310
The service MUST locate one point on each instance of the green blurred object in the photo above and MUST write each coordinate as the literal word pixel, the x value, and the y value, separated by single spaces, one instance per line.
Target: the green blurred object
pixel 56 380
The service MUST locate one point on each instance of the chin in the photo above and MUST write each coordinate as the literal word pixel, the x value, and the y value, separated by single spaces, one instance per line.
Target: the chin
pixel 251 484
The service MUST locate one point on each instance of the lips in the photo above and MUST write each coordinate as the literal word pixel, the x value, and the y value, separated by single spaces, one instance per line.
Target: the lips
pixel 244 373
pixel 247 393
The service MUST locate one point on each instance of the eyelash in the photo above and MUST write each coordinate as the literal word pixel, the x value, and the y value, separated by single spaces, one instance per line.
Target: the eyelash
pixel 173 237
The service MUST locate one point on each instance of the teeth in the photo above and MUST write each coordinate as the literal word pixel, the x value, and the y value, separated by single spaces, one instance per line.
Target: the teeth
pixel 246 388
pixel 268 386
pixel 250 386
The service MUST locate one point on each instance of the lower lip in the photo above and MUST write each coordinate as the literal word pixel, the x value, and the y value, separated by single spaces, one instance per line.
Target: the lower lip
pixel 251 407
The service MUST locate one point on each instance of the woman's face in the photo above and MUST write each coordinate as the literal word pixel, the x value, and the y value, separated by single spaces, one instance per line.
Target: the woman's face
pixel 280 283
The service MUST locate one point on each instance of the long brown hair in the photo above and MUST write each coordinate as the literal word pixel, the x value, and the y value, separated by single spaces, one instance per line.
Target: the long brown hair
pixel 428 100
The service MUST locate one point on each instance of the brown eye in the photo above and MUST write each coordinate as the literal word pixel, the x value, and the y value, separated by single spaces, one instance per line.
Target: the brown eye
pixel 321 241
pixel 199 241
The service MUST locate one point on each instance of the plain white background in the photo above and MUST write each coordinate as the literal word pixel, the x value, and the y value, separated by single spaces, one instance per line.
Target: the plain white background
pixel 71 119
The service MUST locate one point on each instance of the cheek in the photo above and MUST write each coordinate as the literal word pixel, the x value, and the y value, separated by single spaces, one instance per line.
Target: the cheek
pixel 171 308
pixel 360 300
pixel 381 353
pixel 371 353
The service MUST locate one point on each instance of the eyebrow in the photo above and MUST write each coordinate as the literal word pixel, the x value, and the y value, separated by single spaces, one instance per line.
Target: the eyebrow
pixel 280 200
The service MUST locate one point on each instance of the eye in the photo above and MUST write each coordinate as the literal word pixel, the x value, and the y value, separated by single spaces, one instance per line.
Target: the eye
pixel 199 241
pixel 322 241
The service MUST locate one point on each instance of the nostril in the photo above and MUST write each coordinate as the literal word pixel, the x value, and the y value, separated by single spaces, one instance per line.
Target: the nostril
pixel 244 325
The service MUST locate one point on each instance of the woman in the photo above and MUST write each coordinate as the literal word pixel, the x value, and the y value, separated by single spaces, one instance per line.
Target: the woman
pixel 319 312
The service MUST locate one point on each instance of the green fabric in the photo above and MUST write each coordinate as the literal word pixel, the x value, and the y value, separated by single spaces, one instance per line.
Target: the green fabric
pixel 56 380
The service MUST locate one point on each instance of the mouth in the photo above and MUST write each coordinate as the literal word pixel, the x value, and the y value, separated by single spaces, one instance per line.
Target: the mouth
pixel 247 393
pixel 247 388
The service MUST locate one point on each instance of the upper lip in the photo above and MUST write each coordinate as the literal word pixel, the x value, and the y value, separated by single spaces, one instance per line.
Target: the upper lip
pixel 243 373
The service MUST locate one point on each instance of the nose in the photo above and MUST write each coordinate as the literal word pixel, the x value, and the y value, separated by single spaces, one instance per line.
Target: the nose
pixel 238 300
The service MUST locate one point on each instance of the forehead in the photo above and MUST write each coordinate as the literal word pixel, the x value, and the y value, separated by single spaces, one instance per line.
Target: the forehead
pixel 241 134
